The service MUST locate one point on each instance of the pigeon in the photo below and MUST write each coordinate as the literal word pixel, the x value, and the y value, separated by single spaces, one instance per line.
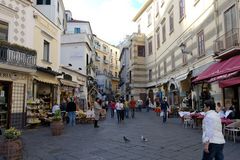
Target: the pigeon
pixel 126 139
pixel 144 139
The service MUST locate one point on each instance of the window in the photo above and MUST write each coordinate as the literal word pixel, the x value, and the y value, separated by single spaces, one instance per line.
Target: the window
pixel 77 30
pixel 3 31
pixel 173 61
pixel 130 76
pixel 158 39
pixel 150 47
pixel 46 51
pixel 157 8
pixel 201 46
pixel 182 9
pixel 232 33
pixel 171 22
pixel 149 19
pixel 116 75
pixel 165 66
pixel 139 28
pixel 104 48
pixel 163 32
pixel 58 7
pixel 184 58
pixel 141 51
pixel 43 2
pixel 159 71
pixel 150 75
pixel 104 58
pixel 130 53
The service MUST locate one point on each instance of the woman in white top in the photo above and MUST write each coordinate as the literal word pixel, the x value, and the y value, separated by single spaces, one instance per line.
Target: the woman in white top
pixel 213 139
pixel 119 108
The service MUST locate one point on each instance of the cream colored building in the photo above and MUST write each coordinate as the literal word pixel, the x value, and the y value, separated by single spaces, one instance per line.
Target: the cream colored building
pixel 17 63
pixel 169 26
pixel 107 66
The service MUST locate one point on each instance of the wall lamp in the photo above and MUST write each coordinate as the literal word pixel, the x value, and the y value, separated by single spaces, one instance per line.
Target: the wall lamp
pixel 184 50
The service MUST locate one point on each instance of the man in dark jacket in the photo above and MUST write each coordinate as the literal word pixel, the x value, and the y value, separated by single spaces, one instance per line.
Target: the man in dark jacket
pixel 71 110
pixel 164 108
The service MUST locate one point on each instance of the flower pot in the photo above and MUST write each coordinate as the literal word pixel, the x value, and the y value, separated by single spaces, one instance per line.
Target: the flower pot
pixel 12 149
pixel 57 128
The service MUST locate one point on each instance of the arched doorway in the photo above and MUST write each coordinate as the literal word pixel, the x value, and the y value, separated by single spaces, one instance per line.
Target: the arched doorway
pixel 151 95
pixel 173 93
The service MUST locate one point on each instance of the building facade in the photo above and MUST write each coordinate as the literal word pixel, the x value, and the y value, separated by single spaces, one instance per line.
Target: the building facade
pixel 107 67
pixel 77 53
pixel 17 62
pixel 180 44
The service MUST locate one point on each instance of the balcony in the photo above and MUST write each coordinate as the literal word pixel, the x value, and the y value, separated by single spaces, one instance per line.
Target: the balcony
pixel 228 44
pixel 15 55
pixel 106 61
pixel 97 58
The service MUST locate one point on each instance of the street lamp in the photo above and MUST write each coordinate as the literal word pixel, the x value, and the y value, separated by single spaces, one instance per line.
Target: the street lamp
pixel 183 49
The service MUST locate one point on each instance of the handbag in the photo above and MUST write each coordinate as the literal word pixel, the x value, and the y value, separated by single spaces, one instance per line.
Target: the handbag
pixel 161 114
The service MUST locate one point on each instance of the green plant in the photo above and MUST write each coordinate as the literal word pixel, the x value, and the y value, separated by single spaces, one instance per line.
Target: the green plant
pixel 12 133
pixel 17 47
pixel 57 116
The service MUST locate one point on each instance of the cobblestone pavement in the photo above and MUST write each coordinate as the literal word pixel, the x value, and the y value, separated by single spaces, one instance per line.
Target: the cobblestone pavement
pixel 83 142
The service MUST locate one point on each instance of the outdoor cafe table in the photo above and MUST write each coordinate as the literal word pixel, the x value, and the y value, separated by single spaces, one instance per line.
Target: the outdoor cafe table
pixel 197 118
pixel 225 122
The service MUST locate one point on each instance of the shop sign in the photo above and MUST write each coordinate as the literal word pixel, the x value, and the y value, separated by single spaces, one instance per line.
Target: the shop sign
pixel 12 76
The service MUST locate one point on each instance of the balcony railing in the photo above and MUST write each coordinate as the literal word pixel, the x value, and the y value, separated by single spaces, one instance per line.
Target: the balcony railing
pixel 106 61
pixel 227 41
pixel 16 58
pixel 97 58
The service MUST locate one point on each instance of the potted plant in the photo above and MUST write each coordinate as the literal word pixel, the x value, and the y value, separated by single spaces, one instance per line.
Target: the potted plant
pixel 57 124
pixel 12 145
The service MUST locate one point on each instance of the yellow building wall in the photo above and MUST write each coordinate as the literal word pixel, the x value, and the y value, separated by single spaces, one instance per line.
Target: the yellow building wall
pixel 45 30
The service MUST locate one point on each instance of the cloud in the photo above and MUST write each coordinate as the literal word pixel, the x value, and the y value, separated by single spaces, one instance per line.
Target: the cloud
pixel 111 20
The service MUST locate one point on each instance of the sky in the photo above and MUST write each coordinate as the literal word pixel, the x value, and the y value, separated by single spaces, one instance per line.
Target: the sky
pixel 110 20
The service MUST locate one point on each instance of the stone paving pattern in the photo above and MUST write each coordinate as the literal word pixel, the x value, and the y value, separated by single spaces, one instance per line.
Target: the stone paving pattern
pixel 83 142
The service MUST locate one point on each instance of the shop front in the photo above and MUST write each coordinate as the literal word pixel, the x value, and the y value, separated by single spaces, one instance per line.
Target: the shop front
pixel 44 96
pixel 226 74
pixel 12 98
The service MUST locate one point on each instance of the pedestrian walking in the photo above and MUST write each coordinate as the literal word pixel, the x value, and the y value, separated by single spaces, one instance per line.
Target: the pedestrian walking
pixel 71 111
pixel 213 139
pixel 112 107
pixel 164 108
pixel 119 108
pixel 132 104
pixel 147 104
pixel 122 112
pixel 97 110
pixel 126 108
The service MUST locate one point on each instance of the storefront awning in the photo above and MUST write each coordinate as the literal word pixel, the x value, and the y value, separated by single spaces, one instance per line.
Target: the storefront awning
pixel 220 68
pixel 229 82
pixel 69 83
pixel 45 78
pixel 182 77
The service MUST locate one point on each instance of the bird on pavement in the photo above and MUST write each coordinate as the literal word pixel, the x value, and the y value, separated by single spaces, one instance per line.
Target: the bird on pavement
pixel 126 139
pixel 144 139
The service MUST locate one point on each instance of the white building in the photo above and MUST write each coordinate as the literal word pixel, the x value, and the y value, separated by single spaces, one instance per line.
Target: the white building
pixel 77 49
pixel 53 9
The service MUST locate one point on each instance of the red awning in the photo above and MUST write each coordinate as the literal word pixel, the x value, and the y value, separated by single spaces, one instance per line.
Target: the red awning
pixel 229 82
pixel 220 68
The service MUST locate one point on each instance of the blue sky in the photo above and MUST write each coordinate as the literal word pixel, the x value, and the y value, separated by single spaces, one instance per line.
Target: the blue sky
pixel 111 20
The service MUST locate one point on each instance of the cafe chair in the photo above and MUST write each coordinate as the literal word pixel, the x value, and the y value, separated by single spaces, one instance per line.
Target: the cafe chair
pixel 187 121
pixel 232 130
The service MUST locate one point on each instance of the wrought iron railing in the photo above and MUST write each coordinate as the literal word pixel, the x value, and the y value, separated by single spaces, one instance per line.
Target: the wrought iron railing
pixel 229 40
pixel 16 58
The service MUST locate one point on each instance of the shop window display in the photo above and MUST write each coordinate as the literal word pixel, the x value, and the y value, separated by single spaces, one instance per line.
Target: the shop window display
pixel 4 101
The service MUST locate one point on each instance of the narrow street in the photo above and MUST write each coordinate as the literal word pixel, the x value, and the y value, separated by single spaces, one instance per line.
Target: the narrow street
pixel 83 142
